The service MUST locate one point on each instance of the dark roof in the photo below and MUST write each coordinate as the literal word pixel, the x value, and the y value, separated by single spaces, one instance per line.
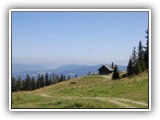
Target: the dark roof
pixel 108 67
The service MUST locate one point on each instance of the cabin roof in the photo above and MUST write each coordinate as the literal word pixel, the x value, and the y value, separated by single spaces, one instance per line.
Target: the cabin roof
pixel 108 67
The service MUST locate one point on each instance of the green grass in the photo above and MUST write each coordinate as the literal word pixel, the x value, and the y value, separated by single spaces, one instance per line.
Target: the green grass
pixel 89 92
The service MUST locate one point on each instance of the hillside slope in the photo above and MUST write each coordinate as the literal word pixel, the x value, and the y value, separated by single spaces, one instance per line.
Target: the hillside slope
pixel 93 91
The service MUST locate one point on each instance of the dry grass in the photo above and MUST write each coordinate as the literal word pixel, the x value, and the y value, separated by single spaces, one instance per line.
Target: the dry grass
pixel 55 96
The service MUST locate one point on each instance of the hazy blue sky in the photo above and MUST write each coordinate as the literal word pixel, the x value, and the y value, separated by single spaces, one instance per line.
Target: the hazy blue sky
pixel 76 37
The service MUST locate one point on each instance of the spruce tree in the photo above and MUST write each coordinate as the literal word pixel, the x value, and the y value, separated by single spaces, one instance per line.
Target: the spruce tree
pixel 38 83
pixel 33 83
pixel 61 78
pixel 23 84
pixel 28 83
pixel 130 68
pixel 141 62
pixel 140 51
pixel 57 79
pixel 19 84
pixel 138 68
pixel 115 73
pixel 42 81
pixel 51 80
pixel 47 79
pixel 146 51
pixel 13 84
pixel 134 59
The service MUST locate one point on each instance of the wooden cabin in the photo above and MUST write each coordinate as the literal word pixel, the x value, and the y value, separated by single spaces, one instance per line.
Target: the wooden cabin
pixel 105 70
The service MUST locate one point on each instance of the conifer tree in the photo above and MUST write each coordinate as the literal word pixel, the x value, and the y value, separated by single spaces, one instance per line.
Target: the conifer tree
pixel 115 73
pixel 130 68
pixel 13 84
pixel 47 79
pixel 23 84
pixel 51 80
pixel 19 84
pixel 33 83
pixel 134 58
pixel 62 78
pixel 140 51
pixel 146 51
pixel 141 62
pixel 138 68
pixel 57 79
pixel 38 83
pixel 28 83
pixel 42 81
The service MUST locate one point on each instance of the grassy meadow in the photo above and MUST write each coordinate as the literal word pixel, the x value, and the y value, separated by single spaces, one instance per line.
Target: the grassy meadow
pixel 92 91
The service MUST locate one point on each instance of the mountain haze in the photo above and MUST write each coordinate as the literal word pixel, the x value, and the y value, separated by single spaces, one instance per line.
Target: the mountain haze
pixel 26 67
pixel 67 70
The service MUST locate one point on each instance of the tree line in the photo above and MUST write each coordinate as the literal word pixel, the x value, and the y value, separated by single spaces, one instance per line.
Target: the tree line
pixel 31 83
pixel 138 61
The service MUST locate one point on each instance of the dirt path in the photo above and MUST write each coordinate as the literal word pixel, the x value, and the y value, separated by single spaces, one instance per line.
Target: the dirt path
pixel 132 101
pixel 44 95
pixel 117 101
pixel 106 76
pixel 114 101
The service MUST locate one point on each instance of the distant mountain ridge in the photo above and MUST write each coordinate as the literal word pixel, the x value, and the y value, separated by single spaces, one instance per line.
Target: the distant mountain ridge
pixel 69 67
pixel 81 70
pixel 26 67
pixel 67 70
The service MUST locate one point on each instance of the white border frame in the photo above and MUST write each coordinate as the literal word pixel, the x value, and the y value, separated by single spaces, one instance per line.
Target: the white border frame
pixel 87 10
